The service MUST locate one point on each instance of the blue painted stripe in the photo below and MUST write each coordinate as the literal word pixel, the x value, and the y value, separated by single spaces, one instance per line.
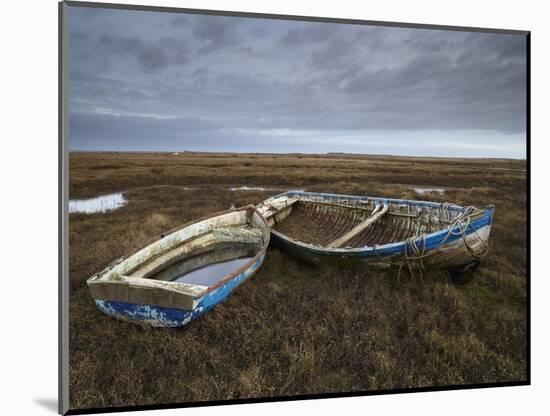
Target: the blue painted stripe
pixel 410 202
pixel 154 315
pixel 433 240
pixel 172 317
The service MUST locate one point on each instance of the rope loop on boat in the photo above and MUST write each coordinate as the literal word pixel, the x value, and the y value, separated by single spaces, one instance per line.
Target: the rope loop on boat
pixel 444 212
pixel 414 256
pixel 415 247
pixel 462 223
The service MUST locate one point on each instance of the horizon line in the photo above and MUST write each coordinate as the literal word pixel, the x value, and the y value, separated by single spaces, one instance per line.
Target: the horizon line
pixel 297 153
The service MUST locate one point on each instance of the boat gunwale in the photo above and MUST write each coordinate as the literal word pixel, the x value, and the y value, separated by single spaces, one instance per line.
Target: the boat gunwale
pixel 191 289
pixel 433 240
pixel 249 263
pixel 421 203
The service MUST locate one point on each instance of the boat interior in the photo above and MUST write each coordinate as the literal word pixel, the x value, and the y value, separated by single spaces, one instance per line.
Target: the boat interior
pixel 203 252
pixel 350 222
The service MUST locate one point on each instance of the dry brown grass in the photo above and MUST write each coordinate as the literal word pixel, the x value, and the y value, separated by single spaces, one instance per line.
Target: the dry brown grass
pixel 294 329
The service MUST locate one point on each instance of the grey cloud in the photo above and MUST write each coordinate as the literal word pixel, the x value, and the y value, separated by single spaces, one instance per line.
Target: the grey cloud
pixel 188 76
pixel 119 44
pixel 308 35
pixel 152 56
pixel 216 34
pixel 180 21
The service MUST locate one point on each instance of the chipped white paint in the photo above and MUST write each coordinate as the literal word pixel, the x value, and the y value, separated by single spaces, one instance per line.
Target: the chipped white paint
pixel 455 252
pixel 125 280
pixel 445 247
pixel 101 204
pixel 154 317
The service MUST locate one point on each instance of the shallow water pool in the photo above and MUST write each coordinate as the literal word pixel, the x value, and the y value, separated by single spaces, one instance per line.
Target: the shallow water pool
pixel 101 204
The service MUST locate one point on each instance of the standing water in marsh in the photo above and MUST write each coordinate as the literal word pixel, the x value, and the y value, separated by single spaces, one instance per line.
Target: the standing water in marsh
pixel 101 204
pixel 423 191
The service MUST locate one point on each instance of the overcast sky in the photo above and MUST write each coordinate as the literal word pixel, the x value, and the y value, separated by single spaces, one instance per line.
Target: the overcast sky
pixel 174 82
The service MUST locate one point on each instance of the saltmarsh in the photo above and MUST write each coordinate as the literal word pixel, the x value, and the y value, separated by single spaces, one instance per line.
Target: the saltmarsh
pixel 293 329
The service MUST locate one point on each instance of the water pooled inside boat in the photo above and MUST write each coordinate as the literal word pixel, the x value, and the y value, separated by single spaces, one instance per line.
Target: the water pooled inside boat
pixel 185 273
pixel 206 268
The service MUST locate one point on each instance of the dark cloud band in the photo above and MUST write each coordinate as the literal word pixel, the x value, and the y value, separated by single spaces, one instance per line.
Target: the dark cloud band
pixel 159 81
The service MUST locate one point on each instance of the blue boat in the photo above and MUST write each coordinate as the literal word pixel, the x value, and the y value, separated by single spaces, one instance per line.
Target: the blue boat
pixel 185 273
pixel 385 232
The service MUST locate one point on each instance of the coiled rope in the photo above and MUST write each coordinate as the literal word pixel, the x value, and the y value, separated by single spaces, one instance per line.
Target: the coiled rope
pixel 415 253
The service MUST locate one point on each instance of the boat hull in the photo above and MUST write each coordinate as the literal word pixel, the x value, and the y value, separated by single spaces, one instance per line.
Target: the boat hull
pixel 159 316
pixel 450 248
pixel 447 256
pixel 138 288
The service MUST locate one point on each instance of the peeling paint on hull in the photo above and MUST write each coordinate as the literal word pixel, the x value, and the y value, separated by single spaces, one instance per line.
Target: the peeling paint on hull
pixel 159 316
pixel 129 289
pixel 443 243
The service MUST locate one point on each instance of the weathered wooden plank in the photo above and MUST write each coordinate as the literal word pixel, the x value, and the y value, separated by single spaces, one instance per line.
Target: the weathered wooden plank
pixel 123 289
pixel 204 242
pixel 359 208
pixel 378 212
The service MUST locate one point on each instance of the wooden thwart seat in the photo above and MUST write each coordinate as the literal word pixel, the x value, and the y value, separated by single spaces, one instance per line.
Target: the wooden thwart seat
pixel 378 212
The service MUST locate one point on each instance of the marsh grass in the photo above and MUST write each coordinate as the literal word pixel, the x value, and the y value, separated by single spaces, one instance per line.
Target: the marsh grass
pixel 294 329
